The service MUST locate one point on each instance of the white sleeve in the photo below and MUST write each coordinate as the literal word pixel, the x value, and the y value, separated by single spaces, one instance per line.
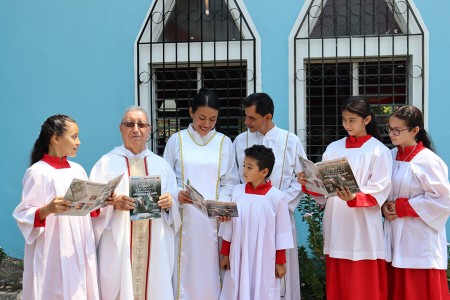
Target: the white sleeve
pixel 229 175
pixel 283 230
pixel 239 149
pixel 36 192
pixel 433 207
pixel 102 221
pixel 171 150
pixel 294 192
pixel 380 178
pixel 226 230
pixel 173 217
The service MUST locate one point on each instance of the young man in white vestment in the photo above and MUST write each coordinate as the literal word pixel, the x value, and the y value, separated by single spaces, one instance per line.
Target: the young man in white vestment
pixel 135 258
pixel 254 244
pixel 60 259
pixel 259 111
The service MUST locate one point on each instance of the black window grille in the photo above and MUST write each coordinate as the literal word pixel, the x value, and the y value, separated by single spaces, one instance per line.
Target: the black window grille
pixel 185 45
pixel 175 87
pixel 373 48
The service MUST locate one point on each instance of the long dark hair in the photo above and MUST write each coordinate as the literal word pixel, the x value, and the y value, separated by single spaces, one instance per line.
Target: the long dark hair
pixel 361 106
pixel 413 118
pixel 205 97
pixel 54 125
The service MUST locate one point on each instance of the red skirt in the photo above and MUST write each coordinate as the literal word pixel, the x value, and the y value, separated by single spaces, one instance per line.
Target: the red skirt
pixel 356 280
pixel 417 284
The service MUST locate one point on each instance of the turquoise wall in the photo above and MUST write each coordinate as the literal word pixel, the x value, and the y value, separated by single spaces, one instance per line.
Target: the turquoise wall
pixel 76 58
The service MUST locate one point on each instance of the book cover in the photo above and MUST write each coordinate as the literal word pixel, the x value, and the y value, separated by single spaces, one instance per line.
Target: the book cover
pixel 326 176
pixel 145 190
pixel 211 208
pixel 87 196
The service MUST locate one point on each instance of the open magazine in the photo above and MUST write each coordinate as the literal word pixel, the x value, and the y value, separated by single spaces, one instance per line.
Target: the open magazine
pixel 145 190
pixel 211 208
pixel 324 177
pixel 87 196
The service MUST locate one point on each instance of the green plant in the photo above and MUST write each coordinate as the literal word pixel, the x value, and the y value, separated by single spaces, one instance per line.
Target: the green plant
pixel 448 263
pixel 2 254
pixel 311 260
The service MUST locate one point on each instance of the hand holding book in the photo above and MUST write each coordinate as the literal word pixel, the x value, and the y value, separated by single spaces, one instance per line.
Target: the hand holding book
pixel 344 193
pixel 329 178
pixel 210 208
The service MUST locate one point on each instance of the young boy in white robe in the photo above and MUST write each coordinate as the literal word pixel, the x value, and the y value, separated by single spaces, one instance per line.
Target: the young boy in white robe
pixel 254 243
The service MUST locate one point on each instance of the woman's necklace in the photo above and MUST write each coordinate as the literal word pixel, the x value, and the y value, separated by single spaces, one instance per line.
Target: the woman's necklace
pixel 400 162
pixel 206 143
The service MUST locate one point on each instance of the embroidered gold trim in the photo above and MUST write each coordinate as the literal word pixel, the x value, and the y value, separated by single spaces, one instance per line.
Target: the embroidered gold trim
pixel 180 239
pixel 206 143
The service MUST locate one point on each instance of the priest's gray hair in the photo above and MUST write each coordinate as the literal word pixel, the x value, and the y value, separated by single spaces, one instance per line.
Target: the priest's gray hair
pixel 135 108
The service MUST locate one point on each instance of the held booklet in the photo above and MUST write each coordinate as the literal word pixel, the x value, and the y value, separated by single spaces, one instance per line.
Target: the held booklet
pixel 145 190
pixel 211 208
pixel 87 196
pixel 324 177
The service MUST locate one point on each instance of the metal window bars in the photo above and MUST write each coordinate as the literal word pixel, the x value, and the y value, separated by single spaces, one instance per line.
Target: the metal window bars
pixel 182 48
pixel 374 48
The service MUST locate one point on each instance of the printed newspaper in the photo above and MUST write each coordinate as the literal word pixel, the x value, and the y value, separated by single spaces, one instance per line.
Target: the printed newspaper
pixel 145 190
pixel 211 208
pixel 324 177
pixel 87 196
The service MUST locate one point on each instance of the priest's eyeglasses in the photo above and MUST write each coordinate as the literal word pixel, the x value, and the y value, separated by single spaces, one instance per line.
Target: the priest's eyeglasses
pixel 394 131
pixel 132 124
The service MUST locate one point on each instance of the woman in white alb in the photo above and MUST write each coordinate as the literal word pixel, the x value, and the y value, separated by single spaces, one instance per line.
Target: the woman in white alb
pixel 206 158
pixel 416 212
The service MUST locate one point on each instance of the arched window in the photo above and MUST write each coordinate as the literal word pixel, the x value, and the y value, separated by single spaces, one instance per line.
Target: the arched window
pixel 375 48
pixel 187 44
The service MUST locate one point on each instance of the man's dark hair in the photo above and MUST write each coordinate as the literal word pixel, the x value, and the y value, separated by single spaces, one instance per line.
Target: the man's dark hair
pixel 262 101
pixel 264 157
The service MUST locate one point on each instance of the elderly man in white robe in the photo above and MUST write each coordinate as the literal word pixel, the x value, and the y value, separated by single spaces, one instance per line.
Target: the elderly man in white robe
pixel 259 110
pixel 135 258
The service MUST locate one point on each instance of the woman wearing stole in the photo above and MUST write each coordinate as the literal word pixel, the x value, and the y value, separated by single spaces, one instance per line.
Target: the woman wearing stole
pixel 206 158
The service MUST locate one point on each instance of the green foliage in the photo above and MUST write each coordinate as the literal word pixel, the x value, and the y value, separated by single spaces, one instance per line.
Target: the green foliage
pixel 311 260
pixel 382 109
pixel 2 254
pixel 448 260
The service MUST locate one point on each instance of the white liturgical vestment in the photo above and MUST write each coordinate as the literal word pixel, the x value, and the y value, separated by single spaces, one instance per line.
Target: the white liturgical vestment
pixel 287 148
pixel 263 226
pixel 424 182
pixel 60 260
pixel 356 233
pixel 209 164
pixel 150 244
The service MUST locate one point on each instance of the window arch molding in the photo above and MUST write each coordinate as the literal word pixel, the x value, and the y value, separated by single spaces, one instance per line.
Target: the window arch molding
pixel 318 41
pixel 229 53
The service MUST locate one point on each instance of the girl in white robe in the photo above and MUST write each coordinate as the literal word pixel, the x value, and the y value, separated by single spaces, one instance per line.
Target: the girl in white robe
pixel 352 223
pixel 60 260
pixel 205 157
pixel 416 213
